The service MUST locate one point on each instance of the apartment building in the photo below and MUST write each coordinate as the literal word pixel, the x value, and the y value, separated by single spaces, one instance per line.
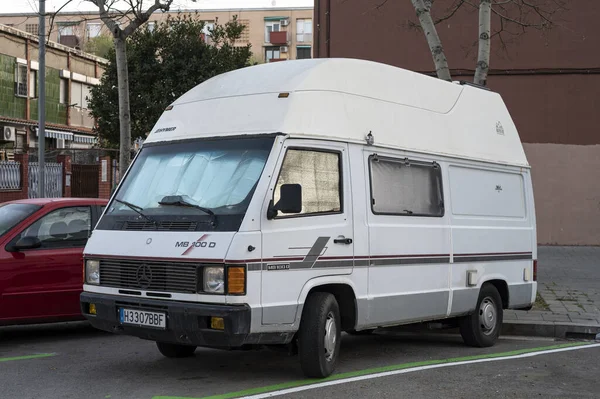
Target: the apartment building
pixel 70 74
pixel 275 34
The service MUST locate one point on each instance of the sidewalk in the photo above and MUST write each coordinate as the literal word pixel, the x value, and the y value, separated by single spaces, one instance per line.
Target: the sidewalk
pixel 569 285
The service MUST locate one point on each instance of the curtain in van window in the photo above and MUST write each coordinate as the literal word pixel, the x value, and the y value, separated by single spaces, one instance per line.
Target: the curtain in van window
pixel 209 178
pixel 318 172
pixel 413 189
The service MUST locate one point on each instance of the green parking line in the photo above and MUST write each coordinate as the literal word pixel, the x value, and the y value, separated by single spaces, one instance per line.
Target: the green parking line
pixel 375 370
pixel 41 355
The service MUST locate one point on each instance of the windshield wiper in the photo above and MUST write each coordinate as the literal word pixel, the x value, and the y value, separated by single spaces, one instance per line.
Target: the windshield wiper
pixel 178 200
pixel 138 210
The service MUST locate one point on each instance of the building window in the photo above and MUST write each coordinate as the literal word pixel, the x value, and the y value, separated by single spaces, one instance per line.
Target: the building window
pixel 303 53
pixel 272 53
pixel 32 29
pixel 271 26
pixel 93 30
pixel 151 26
pixel 21 80
pixel 79 94
pixel 63 95
pixel 405 187
pixel 318 172
pixel 65 30
pixel 33 84
pixel 304 30
pixel 207 31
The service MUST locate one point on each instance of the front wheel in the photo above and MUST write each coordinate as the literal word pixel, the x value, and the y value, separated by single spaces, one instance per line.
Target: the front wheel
pixel 175 350
pixel 319 335
pixel 482 327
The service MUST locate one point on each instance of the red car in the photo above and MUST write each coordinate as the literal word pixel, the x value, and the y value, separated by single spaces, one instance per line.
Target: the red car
pixel 41 257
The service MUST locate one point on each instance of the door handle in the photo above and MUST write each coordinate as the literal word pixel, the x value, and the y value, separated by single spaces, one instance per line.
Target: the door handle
pixel 343 240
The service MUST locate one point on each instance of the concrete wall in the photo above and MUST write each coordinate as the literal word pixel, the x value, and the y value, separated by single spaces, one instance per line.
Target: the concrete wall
pixel 567 192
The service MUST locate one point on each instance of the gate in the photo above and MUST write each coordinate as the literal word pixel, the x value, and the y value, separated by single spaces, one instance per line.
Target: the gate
pixel 53 179
pixel 84 181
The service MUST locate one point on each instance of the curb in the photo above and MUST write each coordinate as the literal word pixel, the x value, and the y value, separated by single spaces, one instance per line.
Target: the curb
pixel 550 329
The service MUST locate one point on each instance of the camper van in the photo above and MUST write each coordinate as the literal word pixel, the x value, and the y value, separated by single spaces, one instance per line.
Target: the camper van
pixel 284 204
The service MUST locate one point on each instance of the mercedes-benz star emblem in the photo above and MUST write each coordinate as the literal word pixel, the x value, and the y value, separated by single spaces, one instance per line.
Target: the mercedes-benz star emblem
pixel 144 276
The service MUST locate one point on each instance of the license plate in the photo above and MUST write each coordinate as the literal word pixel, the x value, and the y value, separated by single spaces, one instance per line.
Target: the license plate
pixel 143 318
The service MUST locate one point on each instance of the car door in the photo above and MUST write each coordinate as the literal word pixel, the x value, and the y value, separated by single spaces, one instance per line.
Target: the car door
pixel 315 242
pixel 45 282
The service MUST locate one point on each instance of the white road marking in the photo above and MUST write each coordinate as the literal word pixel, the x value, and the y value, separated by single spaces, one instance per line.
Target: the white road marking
pixel 412 370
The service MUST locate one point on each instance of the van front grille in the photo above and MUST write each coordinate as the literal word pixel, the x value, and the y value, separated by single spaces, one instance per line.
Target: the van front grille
pixel 161 276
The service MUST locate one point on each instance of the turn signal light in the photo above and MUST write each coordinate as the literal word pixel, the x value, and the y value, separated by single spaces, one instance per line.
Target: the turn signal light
pixel 92 308
pixel 217 323
pixel 236 280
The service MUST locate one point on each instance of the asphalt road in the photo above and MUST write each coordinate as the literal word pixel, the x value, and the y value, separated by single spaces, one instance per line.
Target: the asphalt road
pixel 78 362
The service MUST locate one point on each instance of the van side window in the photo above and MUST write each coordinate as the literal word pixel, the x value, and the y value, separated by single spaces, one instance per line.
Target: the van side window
pixel 318 172
pixel 405 187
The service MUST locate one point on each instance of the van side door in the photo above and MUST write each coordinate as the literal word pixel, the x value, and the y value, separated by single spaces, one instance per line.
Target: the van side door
pixel 317 241
pixel 409 239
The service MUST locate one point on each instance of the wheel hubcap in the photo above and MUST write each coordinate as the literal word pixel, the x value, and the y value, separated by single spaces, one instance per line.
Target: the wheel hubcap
pixel 330 336
pixel 487 316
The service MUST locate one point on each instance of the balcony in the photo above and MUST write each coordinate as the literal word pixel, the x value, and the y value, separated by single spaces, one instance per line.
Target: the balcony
pixel 280 37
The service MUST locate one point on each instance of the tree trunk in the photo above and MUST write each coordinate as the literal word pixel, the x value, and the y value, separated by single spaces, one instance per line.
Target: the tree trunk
pixel 483 58
pixel 423 9
pixel 124 116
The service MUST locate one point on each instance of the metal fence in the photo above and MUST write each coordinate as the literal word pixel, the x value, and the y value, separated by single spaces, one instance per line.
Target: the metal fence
pixel 53 177
pixel 10 175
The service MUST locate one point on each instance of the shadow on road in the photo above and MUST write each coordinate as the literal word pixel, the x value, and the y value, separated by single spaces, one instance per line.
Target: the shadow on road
pixel 38 333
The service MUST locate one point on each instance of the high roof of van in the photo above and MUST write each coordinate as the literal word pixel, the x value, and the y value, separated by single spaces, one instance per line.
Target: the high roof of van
pixel 344 100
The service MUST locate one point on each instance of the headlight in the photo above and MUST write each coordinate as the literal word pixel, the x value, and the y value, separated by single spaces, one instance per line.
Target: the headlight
pixel 92 272
pixel 214 280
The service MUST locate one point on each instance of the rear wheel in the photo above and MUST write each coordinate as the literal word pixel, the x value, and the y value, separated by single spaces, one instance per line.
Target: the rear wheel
pixel 175 350
pixel 319 335
pixel 482 327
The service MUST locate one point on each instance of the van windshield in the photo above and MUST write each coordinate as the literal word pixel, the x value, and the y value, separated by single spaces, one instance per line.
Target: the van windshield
pixel 191 185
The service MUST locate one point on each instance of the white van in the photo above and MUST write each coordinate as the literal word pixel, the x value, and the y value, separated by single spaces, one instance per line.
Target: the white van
pixel 285 203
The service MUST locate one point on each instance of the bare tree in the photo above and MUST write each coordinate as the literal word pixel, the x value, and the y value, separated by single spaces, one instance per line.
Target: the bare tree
pixel 136 17
pixel 122 18
pixel 513 18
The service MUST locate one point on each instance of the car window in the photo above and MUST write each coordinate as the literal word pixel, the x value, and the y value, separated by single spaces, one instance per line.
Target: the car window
pixel 62 228
pixel 13 214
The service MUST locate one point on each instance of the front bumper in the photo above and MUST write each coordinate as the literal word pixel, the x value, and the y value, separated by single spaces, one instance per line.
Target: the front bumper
pixel 186 323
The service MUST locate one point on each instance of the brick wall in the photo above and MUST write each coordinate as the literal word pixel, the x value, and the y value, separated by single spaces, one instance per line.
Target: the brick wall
pixel 104 187
pixel 23 193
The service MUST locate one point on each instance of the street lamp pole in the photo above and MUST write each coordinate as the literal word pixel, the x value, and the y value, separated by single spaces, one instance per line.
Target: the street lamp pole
pixel 42 101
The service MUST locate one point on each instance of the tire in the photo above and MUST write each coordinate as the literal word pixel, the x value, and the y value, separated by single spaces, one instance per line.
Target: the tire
pixel 175 350
pixel 320 323
pixel 482 328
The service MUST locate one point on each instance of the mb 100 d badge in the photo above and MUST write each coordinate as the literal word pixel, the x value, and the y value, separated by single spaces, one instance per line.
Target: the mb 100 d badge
pixel 199 243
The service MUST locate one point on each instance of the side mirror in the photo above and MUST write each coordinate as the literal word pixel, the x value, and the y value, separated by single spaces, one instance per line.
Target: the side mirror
pixel 290 200
pixel 25 243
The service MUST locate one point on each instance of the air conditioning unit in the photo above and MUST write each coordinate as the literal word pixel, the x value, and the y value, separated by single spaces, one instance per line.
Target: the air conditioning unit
pixel 8 133
pixel 60 143
pixel 283 49
pixel 285 22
